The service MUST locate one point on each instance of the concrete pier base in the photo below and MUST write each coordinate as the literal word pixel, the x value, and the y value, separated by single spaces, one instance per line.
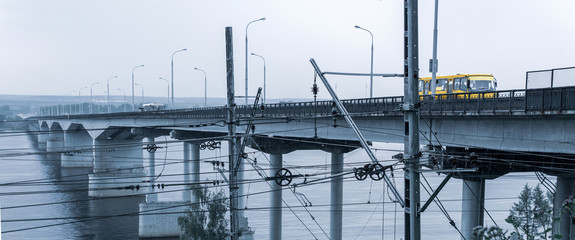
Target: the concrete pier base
pixel 472 206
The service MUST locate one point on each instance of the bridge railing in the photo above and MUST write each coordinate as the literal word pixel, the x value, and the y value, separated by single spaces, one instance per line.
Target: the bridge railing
pixel 531 101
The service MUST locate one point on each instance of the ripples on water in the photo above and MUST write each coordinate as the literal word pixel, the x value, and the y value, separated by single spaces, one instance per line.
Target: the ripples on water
pixel 361 220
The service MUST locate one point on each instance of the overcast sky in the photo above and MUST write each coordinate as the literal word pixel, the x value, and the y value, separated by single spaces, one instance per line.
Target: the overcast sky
pixel 51 47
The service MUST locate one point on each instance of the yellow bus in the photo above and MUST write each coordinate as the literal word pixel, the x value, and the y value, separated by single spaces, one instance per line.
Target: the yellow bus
pixel 460 83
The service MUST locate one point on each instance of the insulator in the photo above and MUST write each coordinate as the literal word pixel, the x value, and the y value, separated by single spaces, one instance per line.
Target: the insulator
pixel 315 89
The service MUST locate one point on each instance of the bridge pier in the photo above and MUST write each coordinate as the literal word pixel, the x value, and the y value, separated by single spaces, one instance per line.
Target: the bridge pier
pixel 275 220
pixel 55 140
pixel 336 196
pixel 118 165
pixel 78 147
pixel 472 206
pixel 43 136
pixel 565 188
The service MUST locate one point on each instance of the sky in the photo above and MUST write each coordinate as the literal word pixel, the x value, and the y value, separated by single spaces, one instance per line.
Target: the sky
pixel 55 47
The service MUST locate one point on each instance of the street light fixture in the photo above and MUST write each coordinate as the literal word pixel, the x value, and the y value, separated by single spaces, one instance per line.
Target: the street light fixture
pixel 263 59
pixel 168 82
pixel 205 86
pixel 181 50
pixel 119 89
pixel 142 86
pixel 92 96
pixel 134 106
pixel 108 92
pixel 80 107
pixel 371 73
pixel 261 19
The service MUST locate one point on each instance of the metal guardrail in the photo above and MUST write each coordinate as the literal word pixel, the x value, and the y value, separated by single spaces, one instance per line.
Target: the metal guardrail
pixel 531 101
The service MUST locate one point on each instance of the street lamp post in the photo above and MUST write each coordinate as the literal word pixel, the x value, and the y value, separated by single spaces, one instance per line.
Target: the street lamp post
pixel 205 86
pixel 80 107
pixel 261 19
pixel 263 59
pixel 91 97
pixel 371 73
pixel 70 102
pixel 168 82
pixel 119 89
pixel 134 106
pixel 108 92
pixel 181 50
pixel 142 86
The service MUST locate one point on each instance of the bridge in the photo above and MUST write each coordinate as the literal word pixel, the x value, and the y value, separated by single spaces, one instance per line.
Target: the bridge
pixel 476 130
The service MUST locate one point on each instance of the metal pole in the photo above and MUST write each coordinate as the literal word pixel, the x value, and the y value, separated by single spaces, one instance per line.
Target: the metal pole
pixel 195 167
pixel 133 105
pixel 264 60
pixel 205 86
pixel 181 50
pixel 80 107
pixel 261 19
pixel 187 197
pixel 434 61
pixel 411 121
pixel 234 141
pixel 371 72
pixel 91 97
pixel 108 92
pixel 142 86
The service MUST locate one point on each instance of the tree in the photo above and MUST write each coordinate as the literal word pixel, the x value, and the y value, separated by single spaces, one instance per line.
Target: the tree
pixel 531 218
pixel 205 220
pixel 532 214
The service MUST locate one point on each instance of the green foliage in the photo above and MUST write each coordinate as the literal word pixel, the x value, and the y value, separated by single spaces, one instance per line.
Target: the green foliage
pixel 206 219
pixel 489 233
pixel 531 216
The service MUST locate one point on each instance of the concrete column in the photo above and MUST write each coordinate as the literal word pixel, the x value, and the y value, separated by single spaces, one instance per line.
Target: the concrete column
pixel 564 190
pixel 336 202
pixel 151 167
pixel 43 137
pixel 195 167
pixel 473 202
pixel 187 196
pixel 78 149
pixel 275 199
pixel 55 144
pixel 117 163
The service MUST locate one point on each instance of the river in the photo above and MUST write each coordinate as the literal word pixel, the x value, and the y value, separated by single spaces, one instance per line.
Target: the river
pixel 60 199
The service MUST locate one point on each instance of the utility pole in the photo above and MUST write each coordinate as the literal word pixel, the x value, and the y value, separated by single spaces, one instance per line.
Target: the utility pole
pixel 234 142
pixel 411 120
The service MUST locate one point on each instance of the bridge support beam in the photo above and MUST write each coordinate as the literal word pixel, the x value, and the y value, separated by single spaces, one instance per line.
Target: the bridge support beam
pixel 472 206
pixel 565 187
pixel 275 199
pixel 336 201
pixel 79 149
pixel 118 165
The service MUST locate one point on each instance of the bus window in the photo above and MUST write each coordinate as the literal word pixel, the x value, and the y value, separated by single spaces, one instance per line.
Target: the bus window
pixel 463 85
pixel 421 85
pixel 441 84
pixel 456 84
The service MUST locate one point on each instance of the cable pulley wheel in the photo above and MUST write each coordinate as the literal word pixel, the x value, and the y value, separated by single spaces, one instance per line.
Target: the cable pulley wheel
pixel 376 171
pixel 360 174
pixel 151 148
pixel 283 177
pixel 203 146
